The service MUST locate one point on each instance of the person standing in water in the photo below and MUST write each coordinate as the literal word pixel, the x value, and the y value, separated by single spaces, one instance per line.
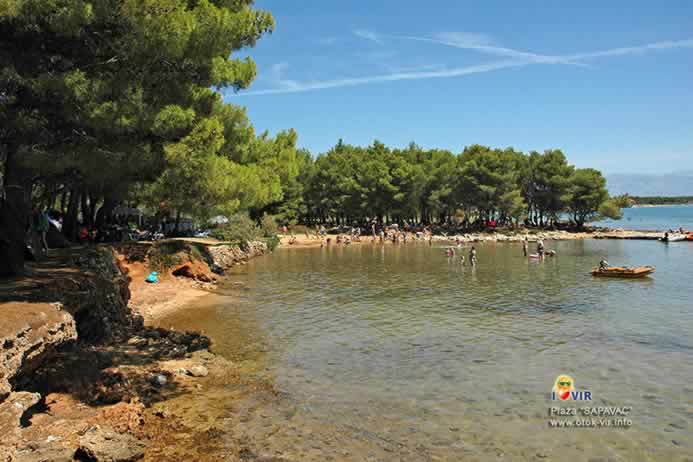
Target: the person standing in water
pixel 540 248
pixel 524 246
pixel 472 256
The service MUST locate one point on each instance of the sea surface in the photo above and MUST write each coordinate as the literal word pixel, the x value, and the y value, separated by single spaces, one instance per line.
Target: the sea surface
pixel 660 218
pixel 405 344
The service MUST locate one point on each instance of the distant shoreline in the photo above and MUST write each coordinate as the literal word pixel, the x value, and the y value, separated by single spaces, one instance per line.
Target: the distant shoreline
pixel 644 206
pixel 300 240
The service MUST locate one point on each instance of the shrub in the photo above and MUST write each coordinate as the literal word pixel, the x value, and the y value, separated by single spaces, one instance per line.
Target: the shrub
pixel 240 229
pixel 268 225
pixel 610 209
pixel 169 253
pixel 272 242
pixel 164 254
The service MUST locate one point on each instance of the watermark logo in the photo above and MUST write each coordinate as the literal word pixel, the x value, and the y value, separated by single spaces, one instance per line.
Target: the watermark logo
pixel 564 390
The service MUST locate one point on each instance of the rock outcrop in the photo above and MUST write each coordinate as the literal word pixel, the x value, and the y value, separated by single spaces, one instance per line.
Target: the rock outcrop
pixel 76 294
pixel 67 331
pixel 105 445
pixel 29 332
pixel 226 256
pixel 197 270
pixel 12 410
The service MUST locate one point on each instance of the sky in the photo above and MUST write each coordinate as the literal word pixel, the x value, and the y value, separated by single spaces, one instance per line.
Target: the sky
pixel 609 83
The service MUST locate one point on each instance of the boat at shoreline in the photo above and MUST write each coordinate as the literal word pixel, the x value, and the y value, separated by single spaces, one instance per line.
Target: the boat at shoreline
pixel 674 238
pixel 623 272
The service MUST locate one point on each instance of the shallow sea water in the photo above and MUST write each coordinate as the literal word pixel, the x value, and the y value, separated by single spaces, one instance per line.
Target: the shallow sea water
pixel 402 342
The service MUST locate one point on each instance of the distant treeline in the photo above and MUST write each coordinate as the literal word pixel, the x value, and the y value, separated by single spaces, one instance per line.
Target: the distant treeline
pixel 661 200
pixel 353 184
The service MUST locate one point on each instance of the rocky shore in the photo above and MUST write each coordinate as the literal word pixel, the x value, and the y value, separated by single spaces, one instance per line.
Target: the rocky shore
pixel 81 374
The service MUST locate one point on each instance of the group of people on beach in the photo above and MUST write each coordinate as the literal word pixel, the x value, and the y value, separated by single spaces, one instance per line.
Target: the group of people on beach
pixel 381 234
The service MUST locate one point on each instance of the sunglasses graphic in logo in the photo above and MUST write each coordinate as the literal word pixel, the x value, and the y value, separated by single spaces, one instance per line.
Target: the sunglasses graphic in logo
pixel 564 390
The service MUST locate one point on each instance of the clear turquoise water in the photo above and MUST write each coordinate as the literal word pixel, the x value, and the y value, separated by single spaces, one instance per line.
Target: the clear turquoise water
pixel 654 218
pixel 400 342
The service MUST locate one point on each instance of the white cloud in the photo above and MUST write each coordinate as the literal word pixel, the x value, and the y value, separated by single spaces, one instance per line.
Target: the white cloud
pixel 276 76
pixel 518 59
pixel 393 77
pixel 470 39
pixel 483 44
pixel 369 35
pixel 426 67
pixel 667 45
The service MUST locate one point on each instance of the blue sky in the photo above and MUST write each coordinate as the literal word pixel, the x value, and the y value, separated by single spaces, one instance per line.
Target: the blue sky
pixel 609 83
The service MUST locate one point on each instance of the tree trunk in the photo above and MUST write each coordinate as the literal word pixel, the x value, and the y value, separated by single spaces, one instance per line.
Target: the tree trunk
pixel 70 219
pixel 105 212
pixel 92 208
pixel 63 200
pixel 175 229
pixel 13 215
pixel 86 217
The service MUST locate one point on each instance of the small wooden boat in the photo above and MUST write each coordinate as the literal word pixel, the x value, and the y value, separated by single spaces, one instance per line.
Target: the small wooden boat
pixel 623 272
pixel 674 238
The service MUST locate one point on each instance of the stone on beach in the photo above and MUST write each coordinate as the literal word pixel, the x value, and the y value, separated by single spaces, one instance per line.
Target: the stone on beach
pixel 198 371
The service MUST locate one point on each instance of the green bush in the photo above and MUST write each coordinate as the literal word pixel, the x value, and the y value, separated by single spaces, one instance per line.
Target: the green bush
pixel 268 225
pixel 301 229
pixel 272 242
pixel 164 254
pixel 240 229
pixel 610 209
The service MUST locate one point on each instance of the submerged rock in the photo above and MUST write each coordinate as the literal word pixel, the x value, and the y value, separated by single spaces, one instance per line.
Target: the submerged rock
pixel 105 445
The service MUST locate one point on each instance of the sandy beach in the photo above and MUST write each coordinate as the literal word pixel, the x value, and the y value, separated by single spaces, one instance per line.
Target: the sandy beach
pixel 302 240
